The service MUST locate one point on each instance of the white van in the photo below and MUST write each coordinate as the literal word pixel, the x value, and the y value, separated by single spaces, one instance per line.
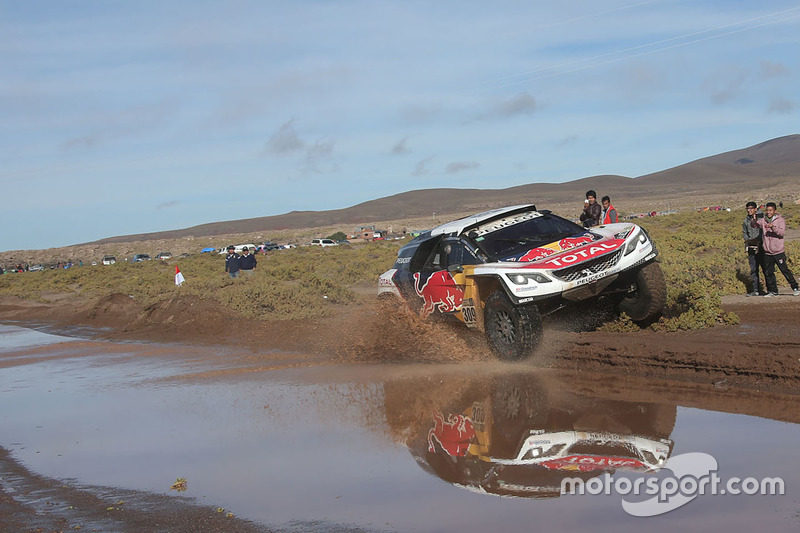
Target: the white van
pixel 323 242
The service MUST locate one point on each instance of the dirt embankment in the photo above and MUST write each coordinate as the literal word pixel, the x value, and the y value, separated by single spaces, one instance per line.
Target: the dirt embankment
pixel 763 352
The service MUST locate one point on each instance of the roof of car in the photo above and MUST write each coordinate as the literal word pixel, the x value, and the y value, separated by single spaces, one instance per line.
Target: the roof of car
pixel 457 226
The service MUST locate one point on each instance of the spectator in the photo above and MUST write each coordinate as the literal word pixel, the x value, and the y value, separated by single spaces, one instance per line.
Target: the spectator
pixel 773 228
pixel 591 210
pixel 609 215
pixel 232 262
pixel 752 245
pixel 247 262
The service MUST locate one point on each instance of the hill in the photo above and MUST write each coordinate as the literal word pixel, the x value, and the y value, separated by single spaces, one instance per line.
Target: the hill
pixel 773 163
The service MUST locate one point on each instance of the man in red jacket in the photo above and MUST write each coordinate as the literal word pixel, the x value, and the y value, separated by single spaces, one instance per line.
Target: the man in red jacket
pixel 773 227
pixel 609 213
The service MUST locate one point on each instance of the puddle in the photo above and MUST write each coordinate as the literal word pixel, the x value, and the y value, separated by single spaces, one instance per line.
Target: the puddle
pixel 395 448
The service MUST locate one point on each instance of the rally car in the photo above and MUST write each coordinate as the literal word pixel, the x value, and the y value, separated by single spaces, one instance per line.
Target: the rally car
pixel 499 271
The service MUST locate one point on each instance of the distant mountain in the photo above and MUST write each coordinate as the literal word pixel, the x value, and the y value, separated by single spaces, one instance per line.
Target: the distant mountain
pixel 762 165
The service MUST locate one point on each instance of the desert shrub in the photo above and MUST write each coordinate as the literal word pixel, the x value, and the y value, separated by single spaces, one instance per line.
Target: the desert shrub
pixel 622 324
pixel 697 306
pixel 298 283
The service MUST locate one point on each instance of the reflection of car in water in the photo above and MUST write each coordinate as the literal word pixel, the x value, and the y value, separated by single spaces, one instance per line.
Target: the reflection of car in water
pixel 514 437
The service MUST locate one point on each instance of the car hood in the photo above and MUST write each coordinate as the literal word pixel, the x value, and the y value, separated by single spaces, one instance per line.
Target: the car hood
pixel 573 249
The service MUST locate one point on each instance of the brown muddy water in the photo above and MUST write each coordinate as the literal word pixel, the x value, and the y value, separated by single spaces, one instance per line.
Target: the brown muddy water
pixel 283 440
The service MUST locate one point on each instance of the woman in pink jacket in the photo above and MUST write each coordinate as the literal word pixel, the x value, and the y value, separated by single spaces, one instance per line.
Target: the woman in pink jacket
pixel 774 228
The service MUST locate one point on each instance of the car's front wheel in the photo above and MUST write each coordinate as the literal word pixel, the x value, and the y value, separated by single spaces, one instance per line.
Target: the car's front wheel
pixel 648 295
pixel 513 331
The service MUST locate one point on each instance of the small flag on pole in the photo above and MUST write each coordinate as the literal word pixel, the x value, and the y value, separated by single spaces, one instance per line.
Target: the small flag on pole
pixel 178 276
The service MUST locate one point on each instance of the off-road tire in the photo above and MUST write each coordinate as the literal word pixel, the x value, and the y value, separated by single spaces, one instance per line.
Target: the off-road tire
pixel 648 296
pixel 513 331
pixel 519 405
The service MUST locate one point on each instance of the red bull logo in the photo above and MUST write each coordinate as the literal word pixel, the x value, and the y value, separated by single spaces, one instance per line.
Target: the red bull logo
pixel 454 435
pixel 537 253
pixel 560 246
pixel 572 242
pixel 439 292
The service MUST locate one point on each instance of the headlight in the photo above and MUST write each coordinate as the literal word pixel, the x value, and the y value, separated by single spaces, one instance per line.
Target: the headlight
pixel 524 279
pixel 638 237
pixel 624 233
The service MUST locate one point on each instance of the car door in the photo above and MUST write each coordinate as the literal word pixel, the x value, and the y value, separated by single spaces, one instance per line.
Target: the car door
pixel 441 280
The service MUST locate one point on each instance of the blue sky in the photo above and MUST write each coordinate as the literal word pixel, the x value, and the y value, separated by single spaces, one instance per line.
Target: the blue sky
pixel 129 117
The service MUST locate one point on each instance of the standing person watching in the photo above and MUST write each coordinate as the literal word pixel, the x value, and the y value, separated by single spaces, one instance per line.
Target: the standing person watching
pixel 752 245
pixel 591 210
pixel 247 262
pixel 609 215
pixel 232 262
pixel 773 228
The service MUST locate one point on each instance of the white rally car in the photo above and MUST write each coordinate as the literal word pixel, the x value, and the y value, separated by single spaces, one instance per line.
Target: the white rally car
pixel 500 270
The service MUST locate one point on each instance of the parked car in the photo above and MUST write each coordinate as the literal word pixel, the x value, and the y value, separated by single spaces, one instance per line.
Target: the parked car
pixel 109 260
pixel 163 256
pixel 138 258
pixel 35 268
pixel 238 248
pixel 500 270
pixel 323 242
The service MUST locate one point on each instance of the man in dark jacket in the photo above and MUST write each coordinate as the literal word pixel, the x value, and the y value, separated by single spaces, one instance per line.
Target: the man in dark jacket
pixel 232 262
pixel 751 233
pixel 591 210
pixel 247 262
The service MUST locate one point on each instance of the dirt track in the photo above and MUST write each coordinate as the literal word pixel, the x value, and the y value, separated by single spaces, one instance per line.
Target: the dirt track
pixel 760 353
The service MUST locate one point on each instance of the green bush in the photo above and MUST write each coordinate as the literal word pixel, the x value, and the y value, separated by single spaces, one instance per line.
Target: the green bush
pixel 298 283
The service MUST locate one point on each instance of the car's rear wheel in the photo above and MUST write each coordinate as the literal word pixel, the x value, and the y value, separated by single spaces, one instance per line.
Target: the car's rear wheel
pixel 647 297
pixel 513 331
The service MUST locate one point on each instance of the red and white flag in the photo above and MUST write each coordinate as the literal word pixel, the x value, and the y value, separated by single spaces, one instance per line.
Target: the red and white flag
pixel 178 276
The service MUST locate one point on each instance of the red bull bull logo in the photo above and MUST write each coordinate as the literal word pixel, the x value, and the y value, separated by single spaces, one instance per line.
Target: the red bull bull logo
pixel 560 246
pixel 439 292
pixel 572 242
pixel 454 435
pixel 537 253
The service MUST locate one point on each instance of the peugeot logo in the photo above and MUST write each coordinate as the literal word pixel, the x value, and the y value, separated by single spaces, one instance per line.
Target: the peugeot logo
pixel 586 272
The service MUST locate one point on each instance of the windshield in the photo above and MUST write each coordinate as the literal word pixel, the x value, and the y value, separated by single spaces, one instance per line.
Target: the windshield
pixel 510 239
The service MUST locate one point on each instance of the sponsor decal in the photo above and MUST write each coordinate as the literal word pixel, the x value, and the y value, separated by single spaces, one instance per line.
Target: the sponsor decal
pixel 440 292
pixel 590 278
pixel 505 222
pixel 590 463
pixel 582 254
pixel 453 434
pixel 537 253
pixel 403 260
pixel 566 243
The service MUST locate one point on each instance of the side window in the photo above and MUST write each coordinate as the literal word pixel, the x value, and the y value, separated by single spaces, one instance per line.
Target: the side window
pixel 435 260
pixel 424 257
pixel 459 254
pixel 448 253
